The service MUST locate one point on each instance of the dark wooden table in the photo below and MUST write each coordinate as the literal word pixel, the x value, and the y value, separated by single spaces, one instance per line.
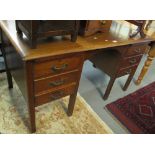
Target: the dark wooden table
pixel 53 69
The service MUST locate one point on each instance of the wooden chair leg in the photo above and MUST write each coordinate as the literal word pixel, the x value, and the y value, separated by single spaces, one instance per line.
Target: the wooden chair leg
pixel 109 87
pixel 8 74
pixel 148 62
pixel 9 78
pixel 144 69
pixel 134 34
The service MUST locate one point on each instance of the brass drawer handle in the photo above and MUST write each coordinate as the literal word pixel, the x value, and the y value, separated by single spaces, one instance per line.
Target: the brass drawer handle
pixel 133 61
pixel 57 95
pixel 55 69
pixel 137 50
pixel 128 72
pixel 57 83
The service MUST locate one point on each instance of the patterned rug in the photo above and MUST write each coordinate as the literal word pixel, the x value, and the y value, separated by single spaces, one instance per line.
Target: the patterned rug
pixel 137 110
pixel 50 118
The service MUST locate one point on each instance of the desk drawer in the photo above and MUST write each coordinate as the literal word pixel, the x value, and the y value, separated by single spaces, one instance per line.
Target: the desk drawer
pixel 126 71
pixel 137 49
pixel 54 82
pixel 50 96
pixel 130 61
pixel 53 67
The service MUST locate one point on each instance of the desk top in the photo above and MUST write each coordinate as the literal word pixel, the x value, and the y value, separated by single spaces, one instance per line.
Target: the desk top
pixel 117 36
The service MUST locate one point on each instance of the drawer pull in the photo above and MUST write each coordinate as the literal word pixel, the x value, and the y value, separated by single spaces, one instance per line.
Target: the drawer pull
pixel 137 50
pixel 55 69
pixel 128 72
pixel 133 61
pixel 57 95
pixel 57 83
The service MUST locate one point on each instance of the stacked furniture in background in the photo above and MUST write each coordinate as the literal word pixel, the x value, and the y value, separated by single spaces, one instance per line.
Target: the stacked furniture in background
pixel 90 27
pixel 35 29
pixel 142 25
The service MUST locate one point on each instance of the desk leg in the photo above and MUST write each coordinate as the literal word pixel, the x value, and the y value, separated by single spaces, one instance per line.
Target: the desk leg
pixel 31 98
pixel 109 87
pixel 129 80
pixel 71 104
pixel 72 99
pixel 32 117
pixel 148 62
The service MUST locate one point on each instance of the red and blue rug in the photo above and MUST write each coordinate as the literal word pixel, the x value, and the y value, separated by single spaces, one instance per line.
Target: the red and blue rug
pixel 137 110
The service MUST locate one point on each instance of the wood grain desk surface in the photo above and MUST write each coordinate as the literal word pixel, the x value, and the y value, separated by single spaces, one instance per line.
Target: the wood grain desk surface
pixel 117 36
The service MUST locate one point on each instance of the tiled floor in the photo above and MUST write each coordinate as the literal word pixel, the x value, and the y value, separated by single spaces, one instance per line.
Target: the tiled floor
pixel 93 83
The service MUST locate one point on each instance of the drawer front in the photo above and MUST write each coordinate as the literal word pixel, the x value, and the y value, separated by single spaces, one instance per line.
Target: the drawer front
pixel 54 82
pixel 53 67
pixel 130 61
pixel 136 49
pixel 126 71
pixel 50 96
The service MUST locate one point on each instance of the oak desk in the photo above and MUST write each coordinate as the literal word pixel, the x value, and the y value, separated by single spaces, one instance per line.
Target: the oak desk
pixel 53 69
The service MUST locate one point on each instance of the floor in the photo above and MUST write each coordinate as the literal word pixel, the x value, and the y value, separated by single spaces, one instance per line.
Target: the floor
pixel 1 63
pixel 93 84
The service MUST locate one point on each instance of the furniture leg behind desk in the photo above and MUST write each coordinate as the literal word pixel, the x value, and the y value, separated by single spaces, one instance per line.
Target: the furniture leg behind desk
pixel 148 62
pixel 8 74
